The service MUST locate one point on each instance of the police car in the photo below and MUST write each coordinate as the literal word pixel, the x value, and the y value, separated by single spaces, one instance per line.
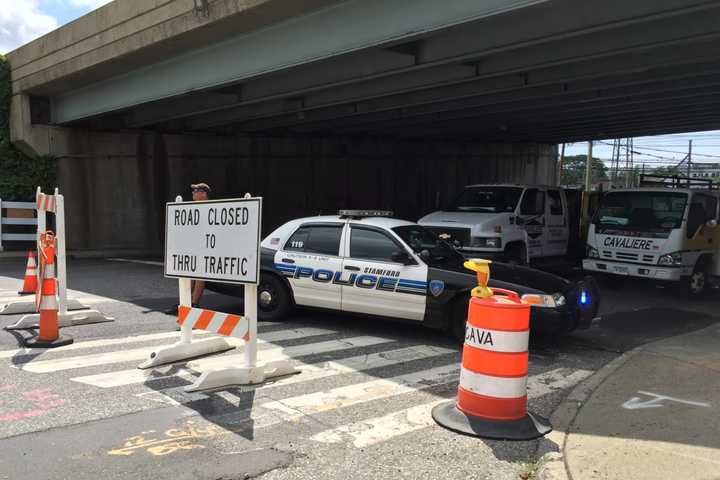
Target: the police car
pixel 367 262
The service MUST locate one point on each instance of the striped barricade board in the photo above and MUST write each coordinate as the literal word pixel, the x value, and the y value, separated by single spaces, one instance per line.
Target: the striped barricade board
pixel 221 323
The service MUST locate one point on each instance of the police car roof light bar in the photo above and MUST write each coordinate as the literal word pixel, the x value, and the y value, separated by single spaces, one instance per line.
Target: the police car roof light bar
pixel 364 213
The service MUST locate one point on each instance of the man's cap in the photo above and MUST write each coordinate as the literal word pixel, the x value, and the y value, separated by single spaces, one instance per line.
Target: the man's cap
pixel 202 185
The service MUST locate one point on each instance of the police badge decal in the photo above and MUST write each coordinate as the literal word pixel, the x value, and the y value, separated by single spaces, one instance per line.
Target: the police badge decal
pixel 437 287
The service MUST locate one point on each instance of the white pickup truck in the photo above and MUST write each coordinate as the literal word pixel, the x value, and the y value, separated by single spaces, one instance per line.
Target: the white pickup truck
pixel 515 223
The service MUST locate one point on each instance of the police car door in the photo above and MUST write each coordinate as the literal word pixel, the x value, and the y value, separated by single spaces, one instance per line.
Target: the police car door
pixel 532 215
pixel 375 282
pixel 309 259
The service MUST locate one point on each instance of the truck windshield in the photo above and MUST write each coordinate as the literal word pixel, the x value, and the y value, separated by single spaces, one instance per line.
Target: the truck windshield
pixel 641 211
pixel 486 199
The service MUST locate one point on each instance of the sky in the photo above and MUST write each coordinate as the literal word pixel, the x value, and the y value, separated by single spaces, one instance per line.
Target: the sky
pixel 24 20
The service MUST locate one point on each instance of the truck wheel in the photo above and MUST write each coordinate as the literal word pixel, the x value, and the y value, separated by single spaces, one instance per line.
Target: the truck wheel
pixel 516 254
pixel 274 301
pixel 694 285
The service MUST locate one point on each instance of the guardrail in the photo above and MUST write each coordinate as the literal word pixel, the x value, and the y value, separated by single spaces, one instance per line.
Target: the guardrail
pixel 16 237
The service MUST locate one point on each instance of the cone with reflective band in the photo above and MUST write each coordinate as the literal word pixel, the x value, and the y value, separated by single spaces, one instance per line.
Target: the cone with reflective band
pixel 49 331
pixel 492 394
pixel 30 282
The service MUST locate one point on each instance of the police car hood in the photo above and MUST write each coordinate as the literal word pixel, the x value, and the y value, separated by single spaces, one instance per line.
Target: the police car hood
pixel 460 219
pixel 512 277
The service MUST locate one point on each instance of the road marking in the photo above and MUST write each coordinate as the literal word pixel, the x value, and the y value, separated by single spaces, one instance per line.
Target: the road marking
pixel 92 360
pixel 380 429
pixel 130 376
pixel 309 372
pixel 636 403
pixel 340 397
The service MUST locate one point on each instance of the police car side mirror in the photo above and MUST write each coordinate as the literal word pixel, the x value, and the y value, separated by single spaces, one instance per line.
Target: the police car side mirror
pixel 401 257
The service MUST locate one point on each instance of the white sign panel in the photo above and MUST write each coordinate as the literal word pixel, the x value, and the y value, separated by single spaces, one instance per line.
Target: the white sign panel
pixel 216 240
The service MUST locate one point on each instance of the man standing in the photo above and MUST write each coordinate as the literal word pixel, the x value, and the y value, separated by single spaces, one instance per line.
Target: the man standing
pixel 200 192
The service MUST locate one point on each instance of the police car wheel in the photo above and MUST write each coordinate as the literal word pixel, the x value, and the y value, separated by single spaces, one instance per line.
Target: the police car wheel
pixel 273 299
pixel 458 319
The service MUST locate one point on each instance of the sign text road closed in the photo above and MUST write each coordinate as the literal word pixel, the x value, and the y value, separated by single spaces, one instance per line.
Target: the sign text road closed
pixel 214 240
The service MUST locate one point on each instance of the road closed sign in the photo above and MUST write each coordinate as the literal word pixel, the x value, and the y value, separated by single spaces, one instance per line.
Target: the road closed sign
pixel 216 240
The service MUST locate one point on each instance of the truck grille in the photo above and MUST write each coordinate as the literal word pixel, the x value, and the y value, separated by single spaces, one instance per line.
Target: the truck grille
pixel 462 235
pixel 628 257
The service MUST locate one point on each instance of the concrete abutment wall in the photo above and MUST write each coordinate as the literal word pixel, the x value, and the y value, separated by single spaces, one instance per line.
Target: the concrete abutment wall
pixel 116 184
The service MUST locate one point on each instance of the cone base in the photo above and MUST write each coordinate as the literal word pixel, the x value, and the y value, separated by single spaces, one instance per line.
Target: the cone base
pixel 35 342
pixel 529 427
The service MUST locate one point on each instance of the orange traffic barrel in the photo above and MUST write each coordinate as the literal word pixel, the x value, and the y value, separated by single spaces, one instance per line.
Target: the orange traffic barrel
pixel 47 304
pixel 492 394
pixel 30 281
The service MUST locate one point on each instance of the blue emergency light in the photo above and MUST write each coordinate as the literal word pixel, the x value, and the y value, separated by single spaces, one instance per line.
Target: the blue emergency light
pixel 583 297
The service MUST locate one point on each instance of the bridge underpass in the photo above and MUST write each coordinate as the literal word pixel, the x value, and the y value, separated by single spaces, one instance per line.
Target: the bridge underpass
pixel 331 104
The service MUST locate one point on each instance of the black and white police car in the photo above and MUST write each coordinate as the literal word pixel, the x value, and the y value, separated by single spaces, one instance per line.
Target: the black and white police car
pixel 367 262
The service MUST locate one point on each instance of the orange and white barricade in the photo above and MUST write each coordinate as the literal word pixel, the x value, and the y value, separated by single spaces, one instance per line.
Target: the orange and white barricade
pixel 492 394
pixel 54 203
pixel 225 325
pixel 30 282
pixel 46 299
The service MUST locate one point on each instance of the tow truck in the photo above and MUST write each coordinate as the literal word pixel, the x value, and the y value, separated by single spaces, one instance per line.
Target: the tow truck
pixel 666 230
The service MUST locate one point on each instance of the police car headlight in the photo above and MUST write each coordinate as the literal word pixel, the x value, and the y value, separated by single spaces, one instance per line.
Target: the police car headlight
pixel 592 252
pixel 671 259
pixel 539 300
pixel 559 299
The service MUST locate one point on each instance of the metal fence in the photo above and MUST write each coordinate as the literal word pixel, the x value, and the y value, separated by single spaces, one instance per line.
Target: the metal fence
pixel 16 237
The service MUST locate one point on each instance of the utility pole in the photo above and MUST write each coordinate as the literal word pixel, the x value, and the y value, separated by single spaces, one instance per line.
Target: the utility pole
pixel 588 166
pixel 689 159
pixel 560 164
pixel 627 163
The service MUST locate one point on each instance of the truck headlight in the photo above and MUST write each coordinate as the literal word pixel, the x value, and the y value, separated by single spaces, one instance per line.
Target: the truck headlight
pixel 491 242
pixel 540 300
pixel 592 252
pixel 671 259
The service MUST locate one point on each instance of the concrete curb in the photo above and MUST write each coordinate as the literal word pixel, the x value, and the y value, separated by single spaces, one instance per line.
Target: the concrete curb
pixel 553 465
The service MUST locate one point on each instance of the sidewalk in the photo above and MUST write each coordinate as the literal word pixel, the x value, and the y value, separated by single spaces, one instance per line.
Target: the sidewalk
pixel 655 416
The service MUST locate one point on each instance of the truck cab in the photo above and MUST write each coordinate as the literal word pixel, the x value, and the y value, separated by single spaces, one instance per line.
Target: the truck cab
pixel 515 223
pixel 659 233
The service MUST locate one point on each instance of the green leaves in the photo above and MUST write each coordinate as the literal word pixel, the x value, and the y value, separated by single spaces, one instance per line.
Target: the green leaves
pixel 19 174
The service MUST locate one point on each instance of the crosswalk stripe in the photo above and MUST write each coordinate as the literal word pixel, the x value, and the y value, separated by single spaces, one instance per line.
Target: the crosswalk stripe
pixel 380 429
pixel 309 372
pixel 107 342
pixel 92 360
pixel 131 376
pixel 318 402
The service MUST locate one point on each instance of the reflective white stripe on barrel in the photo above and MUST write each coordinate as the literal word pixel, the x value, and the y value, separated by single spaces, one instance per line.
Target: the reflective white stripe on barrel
pixel 48 302
pixel 50 270
pixel 496 340
pixel 499 387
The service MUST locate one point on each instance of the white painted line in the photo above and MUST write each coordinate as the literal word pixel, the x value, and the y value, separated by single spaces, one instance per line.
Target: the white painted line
pixel 340 397
pixel 309 372
pixel 134 375
pixel 92 360
pixel 368 432
pixel 142 262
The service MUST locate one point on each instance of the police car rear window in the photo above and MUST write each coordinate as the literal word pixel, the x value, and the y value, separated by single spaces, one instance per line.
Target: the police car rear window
pixel 322 239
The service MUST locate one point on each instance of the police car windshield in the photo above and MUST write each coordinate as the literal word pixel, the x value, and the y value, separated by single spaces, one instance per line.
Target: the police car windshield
pixel 419 238
pixel 486 199
pixel 642 211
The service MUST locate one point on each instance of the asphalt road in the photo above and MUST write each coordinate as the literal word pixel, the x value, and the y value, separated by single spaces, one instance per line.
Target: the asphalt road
pixel 359 409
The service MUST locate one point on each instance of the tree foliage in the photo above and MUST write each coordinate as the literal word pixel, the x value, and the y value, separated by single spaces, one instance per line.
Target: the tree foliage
pixel 573 171
pixel 19 174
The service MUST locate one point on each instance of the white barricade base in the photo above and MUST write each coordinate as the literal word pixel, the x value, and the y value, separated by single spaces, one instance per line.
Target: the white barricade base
pixel 70 319
pixel 225 377
pixel 184 351
pixel 25 305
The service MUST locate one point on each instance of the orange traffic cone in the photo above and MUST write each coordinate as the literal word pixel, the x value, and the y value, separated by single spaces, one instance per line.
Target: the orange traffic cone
pixel 30 281
pixel 49 334
pixel 492 395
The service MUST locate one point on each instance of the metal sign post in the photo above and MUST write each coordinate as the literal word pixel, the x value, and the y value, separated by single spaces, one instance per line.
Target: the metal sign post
pixel 217 241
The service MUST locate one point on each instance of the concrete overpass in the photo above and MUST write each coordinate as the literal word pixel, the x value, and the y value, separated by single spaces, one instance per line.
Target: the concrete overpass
pixel 256 94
